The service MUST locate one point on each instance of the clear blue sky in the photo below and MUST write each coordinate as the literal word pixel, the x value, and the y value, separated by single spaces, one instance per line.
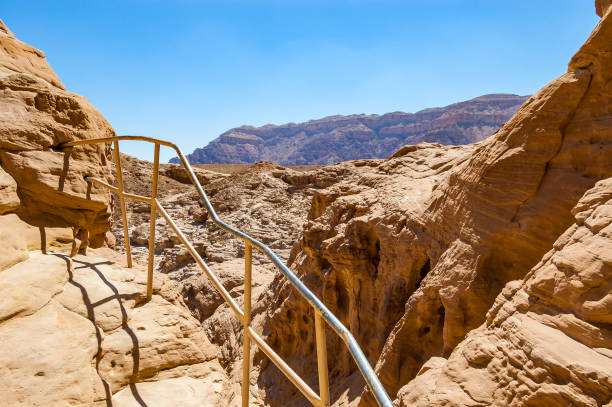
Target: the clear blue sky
pixel 188 70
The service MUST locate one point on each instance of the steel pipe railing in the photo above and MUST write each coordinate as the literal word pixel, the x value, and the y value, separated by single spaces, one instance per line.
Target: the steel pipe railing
pixel 246 323
pixel 119 190
pixel 152 223
pixel 321 312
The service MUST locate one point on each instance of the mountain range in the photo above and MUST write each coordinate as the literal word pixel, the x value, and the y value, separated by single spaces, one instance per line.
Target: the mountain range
pixel 341 138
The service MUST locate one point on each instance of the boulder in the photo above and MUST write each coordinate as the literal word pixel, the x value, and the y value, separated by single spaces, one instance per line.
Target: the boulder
pixel 36 116
pixel 179 173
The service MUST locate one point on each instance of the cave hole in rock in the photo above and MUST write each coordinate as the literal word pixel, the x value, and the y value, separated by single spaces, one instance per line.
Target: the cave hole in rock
pixel 395 306
pixel 342 298
pixel 425 269
pixel 59 148
pixel 424 330
pixel 441 315
pixel 324 265
pixel 371 243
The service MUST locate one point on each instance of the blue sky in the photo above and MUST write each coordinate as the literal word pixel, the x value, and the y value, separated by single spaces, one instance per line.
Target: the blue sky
pixel 187 70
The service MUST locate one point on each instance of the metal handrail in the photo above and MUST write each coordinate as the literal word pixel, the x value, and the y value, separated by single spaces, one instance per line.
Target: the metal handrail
pixel 322 313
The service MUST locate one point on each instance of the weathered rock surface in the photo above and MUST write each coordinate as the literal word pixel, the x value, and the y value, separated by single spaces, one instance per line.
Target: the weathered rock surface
pixel 19 238
pixel 265 200
pixel 78 332
pixel 602 6
pixel 358 252
pixel 547 340
pixel 340 138
pixel 412 251
pixel 9 201
pixel 19 57
pixel 178 173
pixel 268 201
pixel 36 116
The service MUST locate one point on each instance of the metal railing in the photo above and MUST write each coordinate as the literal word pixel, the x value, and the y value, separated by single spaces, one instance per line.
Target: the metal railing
pixel 322 314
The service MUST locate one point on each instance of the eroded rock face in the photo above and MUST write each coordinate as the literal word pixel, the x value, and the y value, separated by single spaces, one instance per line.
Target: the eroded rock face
pixel 79 331
pixel 19 57
pixel 267 201
pixel 357 252
pixel 547 339
pixel 411 252
pixel 340 138
pixel 602 6
pixel 19 238
pixel 36 116
pixel 9 201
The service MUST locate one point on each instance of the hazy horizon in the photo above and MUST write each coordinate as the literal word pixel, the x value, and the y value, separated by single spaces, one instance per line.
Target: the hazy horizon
pixel 189 70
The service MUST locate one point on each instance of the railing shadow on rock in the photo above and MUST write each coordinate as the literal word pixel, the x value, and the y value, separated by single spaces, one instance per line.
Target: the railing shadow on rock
pixel 322 313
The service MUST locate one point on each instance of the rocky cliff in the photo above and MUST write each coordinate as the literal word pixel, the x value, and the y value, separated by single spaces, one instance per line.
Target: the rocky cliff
pixel 470 275
pixel 547 339
pixel 341 138
pixel 77 330
pixel 412 251
pixel 43 185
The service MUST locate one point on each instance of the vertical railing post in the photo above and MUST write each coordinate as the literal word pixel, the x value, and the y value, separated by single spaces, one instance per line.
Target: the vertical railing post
pixel 152 224
pixel 246 352
pixel 322 359
pixel 126 233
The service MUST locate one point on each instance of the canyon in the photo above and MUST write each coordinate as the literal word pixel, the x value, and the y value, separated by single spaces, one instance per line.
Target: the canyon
pixel 470 275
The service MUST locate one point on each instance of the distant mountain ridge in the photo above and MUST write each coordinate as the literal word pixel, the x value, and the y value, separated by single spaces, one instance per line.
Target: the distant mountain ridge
pixel 341 138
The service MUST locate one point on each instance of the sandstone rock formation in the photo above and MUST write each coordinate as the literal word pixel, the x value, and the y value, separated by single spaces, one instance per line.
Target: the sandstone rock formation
pixel 427 256
pixel 79 332
pixel 341 138
pixel 601 6
pixel 9 200
pixel 19 238
pixel 547 339
pixel 412 251
pixel 268 201
pixel 36 116
pixel 18 57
